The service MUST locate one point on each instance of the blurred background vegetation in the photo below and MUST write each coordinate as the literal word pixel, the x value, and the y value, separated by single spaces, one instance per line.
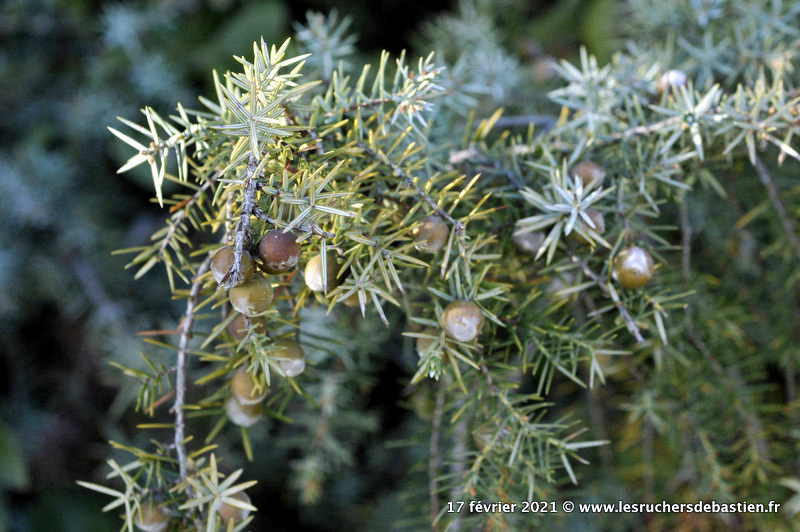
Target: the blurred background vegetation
pixel 67 306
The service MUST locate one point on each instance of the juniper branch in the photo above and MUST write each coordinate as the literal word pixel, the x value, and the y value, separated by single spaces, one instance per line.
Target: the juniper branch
pixel 457 464
pixel 598 419
pixel 777 204
pixel 399 172
pixel 732 379
pixel 311 227
pixel 488 374
pixel 434 457
pixel 234 276
pixel 629 321
pixel 94 289
pixel 644 130
pixel 179 217
pixel 327 409
pixel 647 458
pixel 686 244
pixel 180 376
pixel 460 156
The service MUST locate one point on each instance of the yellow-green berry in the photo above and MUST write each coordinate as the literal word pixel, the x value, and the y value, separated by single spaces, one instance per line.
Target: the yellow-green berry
pixel 423 344
pixel 289 356
pixel 252 297
pixel 462 320
pixel 244 388
pixel 151 517
pixel 431 234
pixel 229 512
pixel 313 272
pixel 238 326
pixel 633 267
pixel 242 415
pixel 222 262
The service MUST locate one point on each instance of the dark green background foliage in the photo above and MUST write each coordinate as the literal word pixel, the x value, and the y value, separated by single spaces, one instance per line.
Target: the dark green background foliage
pixel 710 415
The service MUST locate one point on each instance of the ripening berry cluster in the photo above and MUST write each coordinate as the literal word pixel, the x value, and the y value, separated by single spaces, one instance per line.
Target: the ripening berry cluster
pixel 463 320
pixel 278 253
pixel 633 266
pixel 152 517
